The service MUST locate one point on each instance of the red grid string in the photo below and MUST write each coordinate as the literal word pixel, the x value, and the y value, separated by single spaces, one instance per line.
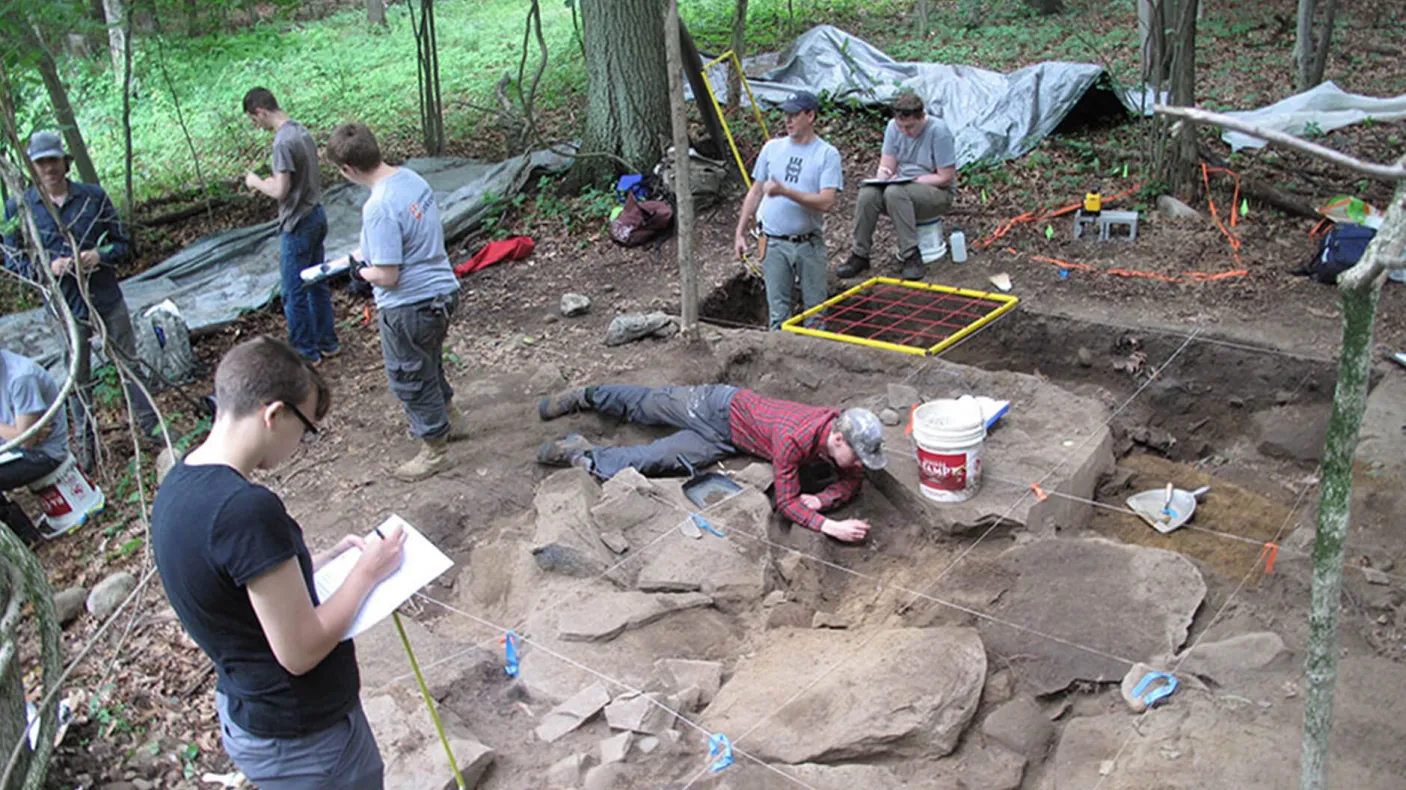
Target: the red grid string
pixel 904 316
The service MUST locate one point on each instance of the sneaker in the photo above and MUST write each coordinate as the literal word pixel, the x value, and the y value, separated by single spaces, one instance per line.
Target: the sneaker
pixel 568 451
pixel 432 459
pixel 563 403
pixel 852 267
pixel 913 266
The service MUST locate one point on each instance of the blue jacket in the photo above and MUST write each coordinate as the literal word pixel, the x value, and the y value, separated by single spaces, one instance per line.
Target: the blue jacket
pixel 90 215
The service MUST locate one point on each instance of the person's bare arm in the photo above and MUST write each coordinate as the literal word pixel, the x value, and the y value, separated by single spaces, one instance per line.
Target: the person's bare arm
pixel 822 201
pixel 749 209
pixel 942 179
pixel 888 167
pixel 300 634
pixel 347 542
pixel 275 186
pixel 23 422
pixel 384 276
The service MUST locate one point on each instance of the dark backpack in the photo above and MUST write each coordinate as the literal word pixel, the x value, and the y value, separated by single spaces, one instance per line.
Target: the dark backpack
pixel 1339 250
pixel 640 223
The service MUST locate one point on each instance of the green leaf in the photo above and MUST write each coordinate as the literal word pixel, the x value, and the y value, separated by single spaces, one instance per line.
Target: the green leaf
pixel 1049 231
pixel 1244 207
pixel 1125 170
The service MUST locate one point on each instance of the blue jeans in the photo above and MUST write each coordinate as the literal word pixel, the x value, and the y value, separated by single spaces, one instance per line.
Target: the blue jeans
pixel 311 326
pixel 703 414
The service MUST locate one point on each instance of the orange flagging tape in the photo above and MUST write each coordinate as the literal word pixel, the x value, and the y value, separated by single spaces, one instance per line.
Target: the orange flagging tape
pixel 1195 277
pixel 1040 495
pixel 908 431
pixel 1269 555
pixel 1083 267
pixel 365 314
pixel 1148 275
pixel 1031 216
pixel 1211 203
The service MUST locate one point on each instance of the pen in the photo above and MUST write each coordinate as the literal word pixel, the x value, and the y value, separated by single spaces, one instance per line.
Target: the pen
pixel 379 535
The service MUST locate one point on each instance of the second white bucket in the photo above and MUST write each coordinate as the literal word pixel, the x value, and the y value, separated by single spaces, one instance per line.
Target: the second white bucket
pixel 949 435
pixel 68 498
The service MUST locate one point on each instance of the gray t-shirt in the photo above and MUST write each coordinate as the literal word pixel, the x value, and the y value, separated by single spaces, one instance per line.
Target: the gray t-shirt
pixel 931 149
pixel 807 168
pixel 400 227
pixel 27 388
pixel 295 153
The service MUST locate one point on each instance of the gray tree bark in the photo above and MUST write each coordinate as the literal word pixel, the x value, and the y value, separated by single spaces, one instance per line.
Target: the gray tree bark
pixel 683 191
pixel 739 43
pixel 376 12
pixel 627 91
pixel 116 36
pixel 1311 52
pixel 1185 158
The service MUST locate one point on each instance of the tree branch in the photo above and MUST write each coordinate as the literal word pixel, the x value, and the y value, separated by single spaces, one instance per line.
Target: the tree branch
pixel 1394 172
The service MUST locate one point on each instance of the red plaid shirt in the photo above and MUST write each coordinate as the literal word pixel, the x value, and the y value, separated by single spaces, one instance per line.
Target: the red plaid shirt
pixel 790 434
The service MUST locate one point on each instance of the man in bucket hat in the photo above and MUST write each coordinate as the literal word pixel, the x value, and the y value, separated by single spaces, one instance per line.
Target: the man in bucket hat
pixel 85 212
pixel 717 420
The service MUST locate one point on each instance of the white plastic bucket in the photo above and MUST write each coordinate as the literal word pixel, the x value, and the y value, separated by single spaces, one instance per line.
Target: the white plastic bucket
pixel 931 244
pixel 68 498
pixel 949 435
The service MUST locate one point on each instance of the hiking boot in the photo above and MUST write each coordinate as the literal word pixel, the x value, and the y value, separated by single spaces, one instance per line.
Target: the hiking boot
pixel 852 267
pixel 432 459
pixel 913 266
pixel 458 423
pixel 567 451
pixel 564 402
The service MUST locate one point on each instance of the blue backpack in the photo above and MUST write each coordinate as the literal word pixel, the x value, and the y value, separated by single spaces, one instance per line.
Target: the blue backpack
pixel 1339 250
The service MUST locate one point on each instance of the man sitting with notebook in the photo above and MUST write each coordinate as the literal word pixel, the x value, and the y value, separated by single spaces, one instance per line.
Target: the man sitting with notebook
pixel 919 162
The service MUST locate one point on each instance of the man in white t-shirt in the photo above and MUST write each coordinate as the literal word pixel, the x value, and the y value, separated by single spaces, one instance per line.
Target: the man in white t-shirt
pixel 920 149
pixel 795 181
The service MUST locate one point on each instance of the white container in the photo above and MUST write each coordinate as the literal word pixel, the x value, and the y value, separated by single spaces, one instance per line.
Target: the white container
pixel 949 435
pixel 959 246
pixel 68 498
pixel 930 243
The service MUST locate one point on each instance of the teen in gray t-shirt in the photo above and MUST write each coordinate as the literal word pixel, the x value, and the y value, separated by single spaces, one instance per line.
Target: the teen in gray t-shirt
pixel 400 226
pixel 295 153
pixel 807 168
pixel 933 148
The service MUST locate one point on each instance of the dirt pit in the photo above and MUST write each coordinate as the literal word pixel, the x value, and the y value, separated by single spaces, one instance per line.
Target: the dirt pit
pixel 986 656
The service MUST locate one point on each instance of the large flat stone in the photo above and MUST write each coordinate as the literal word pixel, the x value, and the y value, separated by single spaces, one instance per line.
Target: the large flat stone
pixel 382 660
pixel 678 674
pixel 1132 602
pixel 603 616
pixel 627 500
pixel 1048 430
pixel 975 767
pixel 566 541
pixel 909 692
pixel 411 749
pixel 573 713
pixel 732 572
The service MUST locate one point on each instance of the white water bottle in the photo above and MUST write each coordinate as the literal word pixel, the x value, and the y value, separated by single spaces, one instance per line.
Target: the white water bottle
pixel 959 246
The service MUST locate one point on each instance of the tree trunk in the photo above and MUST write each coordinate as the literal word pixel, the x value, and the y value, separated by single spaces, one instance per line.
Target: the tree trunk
pixel 739 43
pixel 683 191
pixel 1182 170
pixel 1319 62
pixel 129 200
pixel 692 64
pixel 1359 300
pixel 1152 33
pixel 116 35
pixel 376 12
pixel 63 112
pixel 923 12
pixel 627 91
pixel 1303 43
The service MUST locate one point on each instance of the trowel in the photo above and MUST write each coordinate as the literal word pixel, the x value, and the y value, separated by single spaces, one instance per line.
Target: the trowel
pixel 1168 509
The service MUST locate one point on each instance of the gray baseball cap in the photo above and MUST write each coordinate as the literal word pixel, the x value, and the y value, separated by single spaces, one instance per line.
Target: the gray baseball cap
pixel 43 145
pixel 801 101
pixel 865 435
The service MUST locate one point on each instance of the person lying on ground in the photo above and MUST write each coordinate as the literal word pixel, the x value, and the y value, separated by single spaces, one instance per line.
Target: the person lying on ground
pixel 917 147
pixel 26 392
pixel 795 181
pixel 240 578
pixel 716 421
pixel 402 256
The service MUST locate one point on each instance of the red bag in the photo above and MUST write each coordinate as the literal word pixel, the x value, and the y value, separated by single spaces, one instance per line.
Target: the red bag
pixel 513 249
pixel 640 223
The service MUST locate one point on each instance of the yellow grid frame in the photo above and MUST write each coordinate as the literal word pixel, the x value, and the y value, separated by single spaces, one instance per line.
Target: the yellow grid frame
pixel 747 86
pixel 1008 303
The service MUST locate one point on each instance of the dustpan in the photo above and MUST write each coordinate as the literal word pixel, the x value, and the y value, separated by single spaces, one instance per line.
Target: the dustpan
pixel 1166 514
pixel 708 488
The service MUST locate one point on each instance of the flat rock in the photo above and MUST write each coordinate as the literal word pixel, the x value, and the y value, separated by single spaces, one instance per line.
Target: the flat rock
pixel 565 540
pixel 573 304
pixel 615 541
pixel 410 747
pixel 1219 661
pixel 908 692
pixel 1172 208
pixel 902 397
pixel 381 656
pixel 627 500
pixel 681 673
pixel 69 604
pixel 1295 432
pixel 1113 599
pixel 1135 676
pixel 636 326
pixel 601 617
pixel 638 713
pixel 567 772
pixel 974 767
pixel 109 594
pixel 1047 428
pixel 1020 726
pixel 615 748
pixel 547 378
pixel 731 572
pixel 573 713
pixel 604 777
pixel 757 474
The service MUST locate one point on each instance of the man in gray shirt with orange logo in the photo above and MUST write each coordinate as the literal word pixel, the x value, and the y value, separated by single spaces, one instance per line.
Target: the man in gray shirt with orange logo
pixel 918 151
pixel 302 222
pixel 795 180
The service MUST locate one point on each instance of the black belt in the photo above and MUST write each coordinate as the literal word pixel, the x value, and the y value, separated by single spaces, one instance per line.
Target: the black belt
pixel 796 239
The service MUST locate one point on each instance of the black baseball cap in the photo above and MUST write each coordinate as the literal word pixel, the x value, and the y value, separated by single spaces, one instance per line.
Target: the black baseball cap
pixel 801 101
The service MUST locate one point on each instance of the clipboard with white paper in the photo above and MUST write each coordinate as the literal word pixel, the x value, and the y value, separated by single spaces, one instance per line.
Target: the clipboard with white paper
pixel 421 564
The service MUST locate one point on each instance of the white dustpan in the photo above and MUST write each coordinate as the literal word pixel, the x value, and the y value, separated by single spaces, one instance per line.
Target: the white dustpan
pixel 1166 511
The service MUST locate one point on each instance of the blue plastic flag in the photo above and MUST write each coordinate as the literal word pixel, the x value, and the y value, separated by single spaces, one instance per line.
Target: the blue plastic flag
pixel 1154 695
pixel 719 746
pixel 510 648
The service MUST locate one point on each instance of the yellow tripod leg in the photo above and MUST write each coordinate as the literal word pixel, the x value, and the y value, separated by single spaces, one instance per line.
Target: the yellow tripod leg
pixel 429 701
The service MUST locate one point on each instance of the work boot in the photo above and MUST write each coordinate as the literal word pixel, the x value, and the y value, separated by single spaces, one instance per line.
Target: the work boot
pixel 458 423
pixel 567 451
pixel 852 267
pixel 913 266
pixel 432 459
pixel 564 402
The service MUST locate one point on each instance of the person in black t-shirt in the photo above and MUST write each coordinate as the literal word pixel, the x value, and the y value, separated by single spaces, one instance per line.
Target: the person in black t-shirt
pixel 239 576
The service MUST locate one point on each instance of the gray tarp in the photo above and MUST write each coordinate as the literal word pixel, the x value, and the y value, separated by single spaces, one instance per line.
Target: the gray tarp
pixel 993 116
pixel 220 277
